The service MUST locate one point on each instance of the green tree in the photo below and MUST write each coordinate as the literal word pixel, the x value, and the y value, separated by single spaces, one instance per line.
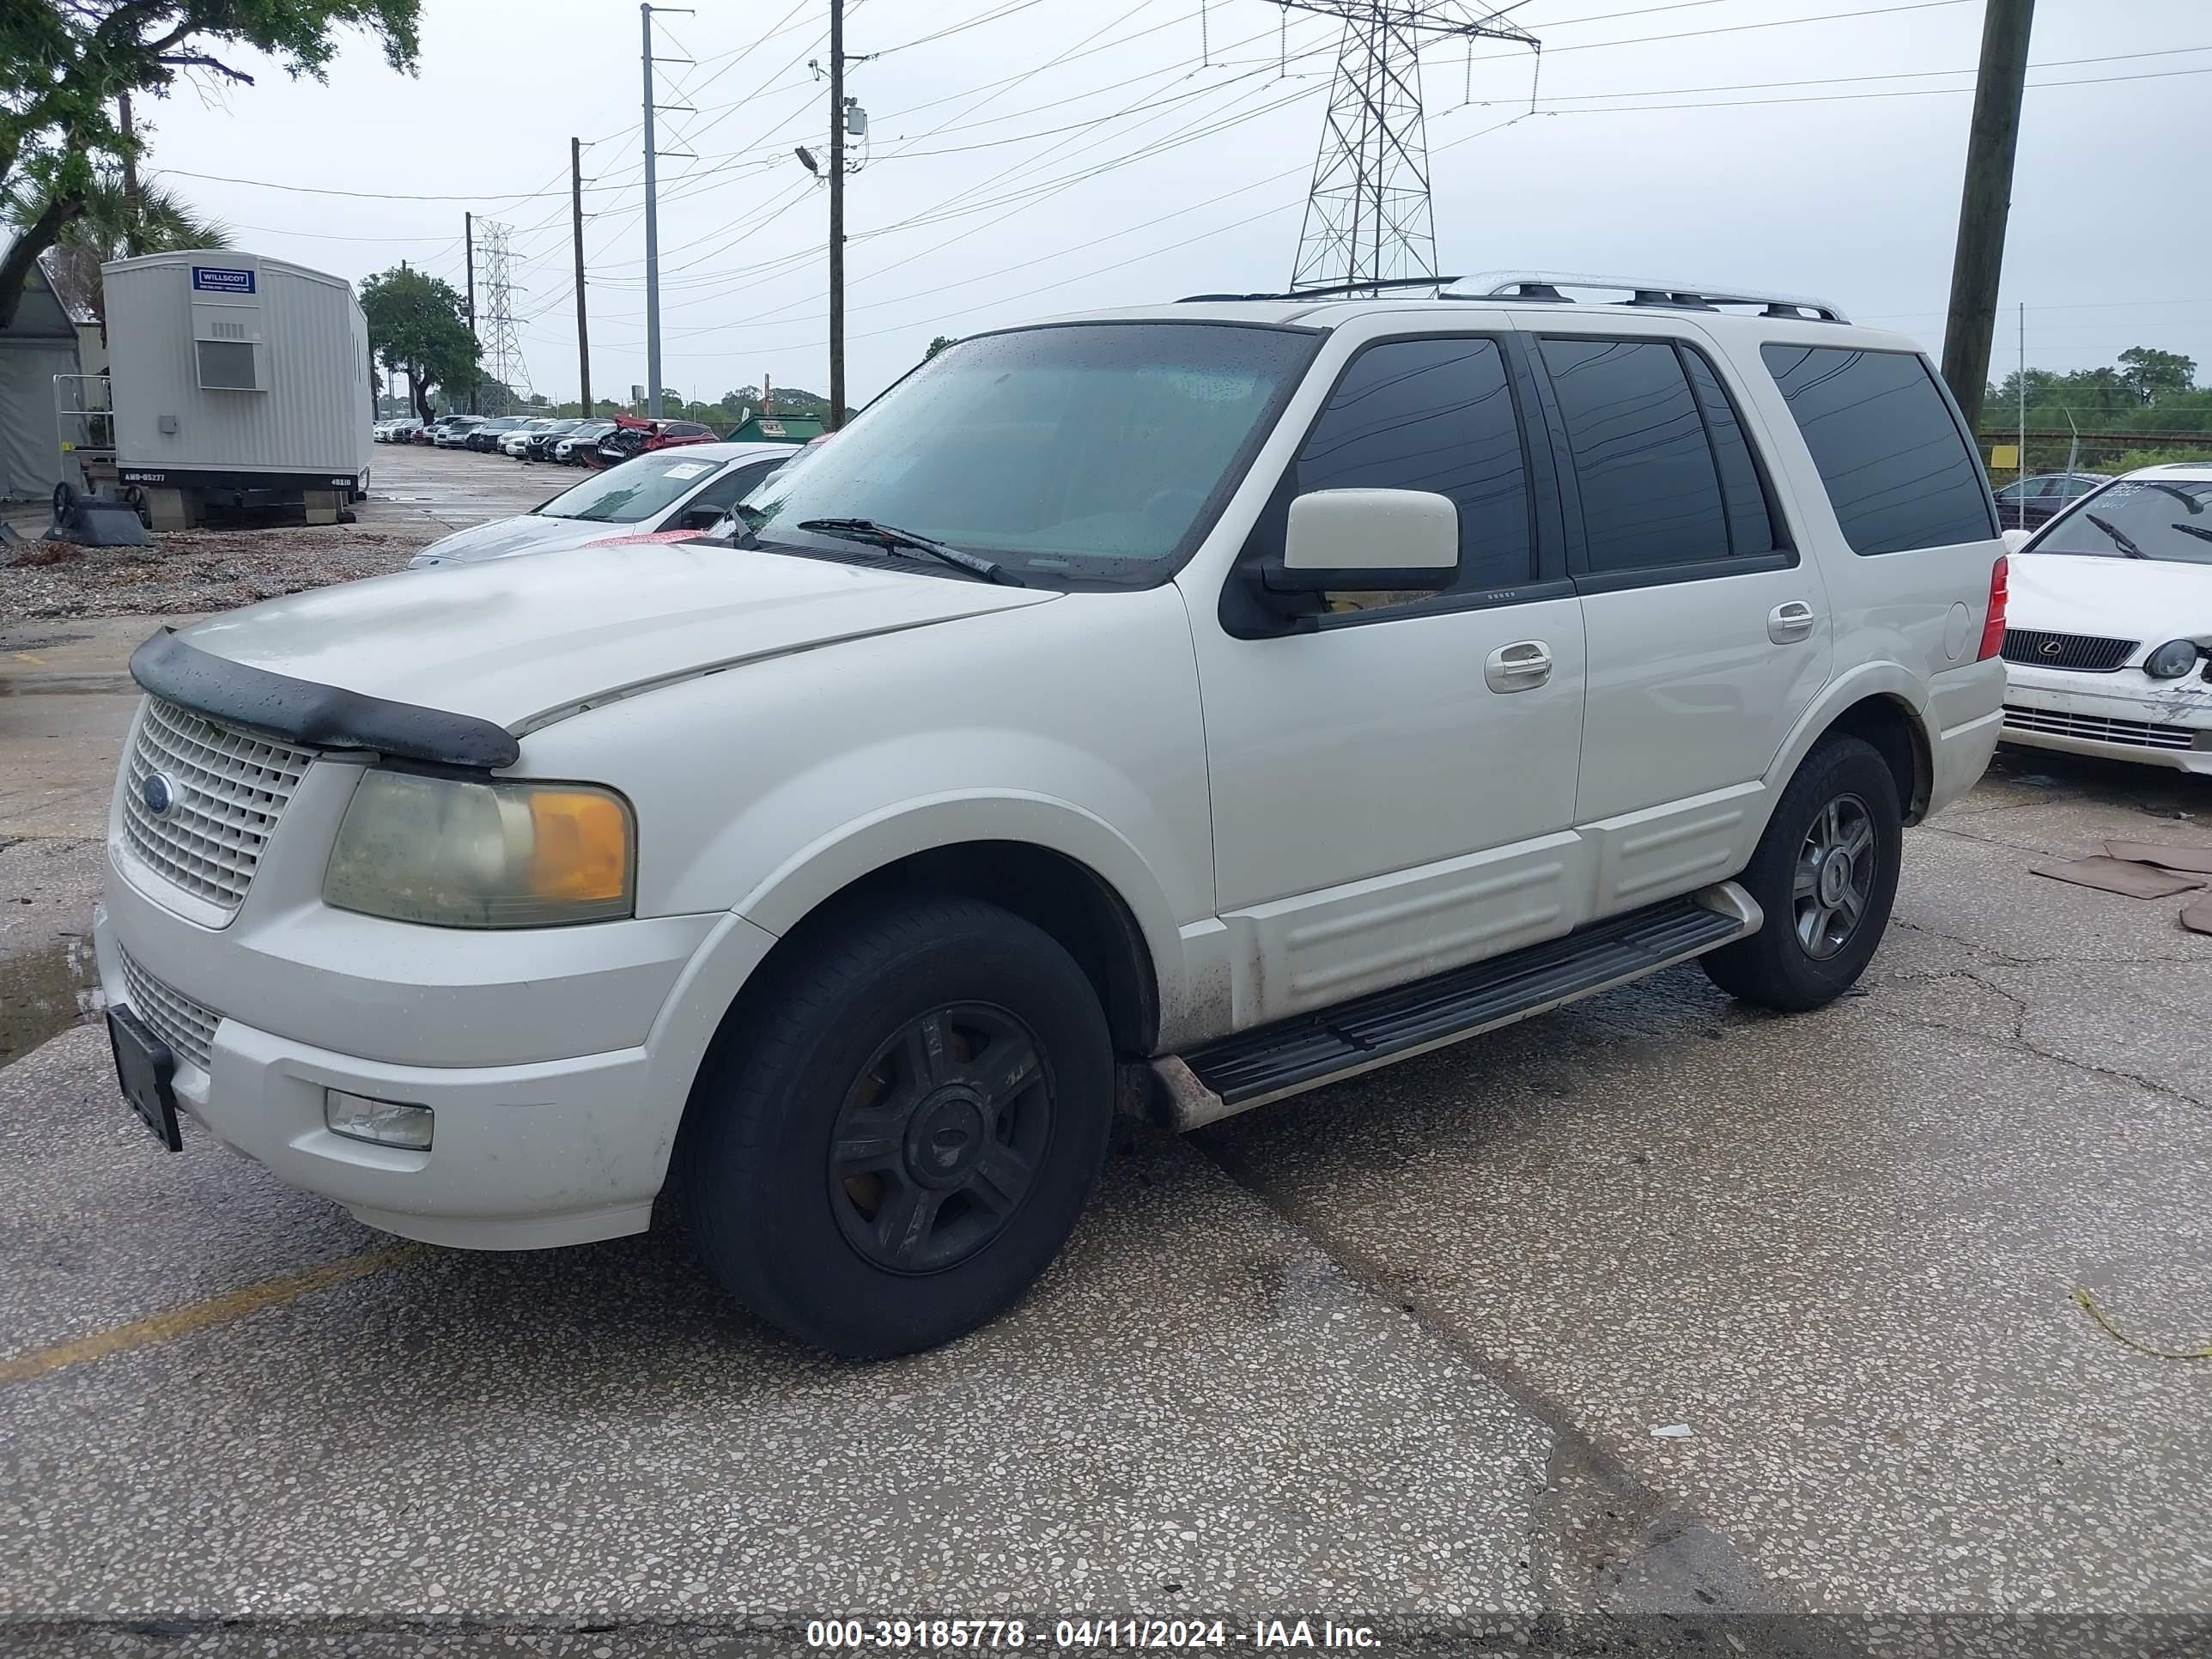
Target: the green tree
pixel 117 225
pixel 2152 375
pixel 64 63
pixel 937 345
pixel 419 324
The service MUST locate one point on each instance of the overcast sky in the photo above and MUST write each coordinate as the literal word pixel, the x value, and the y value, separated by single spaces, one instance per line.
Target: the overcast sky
pixel 1027 157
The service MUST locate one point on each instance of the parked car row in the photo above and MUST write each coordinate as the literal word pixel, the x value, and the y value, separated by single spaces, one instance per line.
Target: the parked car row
pixel 569 440
pixel 648 497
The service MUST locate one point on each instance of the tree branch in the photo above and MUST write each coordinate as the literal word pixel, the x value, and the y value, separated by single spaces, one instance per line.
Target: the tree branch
pixel 33 240
pixel 201 60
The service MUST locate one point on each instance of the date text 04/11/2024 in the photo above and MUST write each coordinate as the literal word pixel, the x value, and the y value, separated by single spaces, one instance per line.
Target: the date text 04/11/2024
pixel 1087 1633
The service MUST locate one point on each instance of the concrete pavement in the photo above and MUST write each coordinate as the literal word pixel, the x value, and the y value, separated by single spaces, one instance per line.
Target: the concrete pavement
pixel 1843 1247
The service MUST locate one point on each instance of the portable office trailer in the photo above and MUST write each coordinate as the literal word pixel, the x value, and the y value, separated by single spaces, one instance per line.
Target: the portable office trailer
pixel 237 381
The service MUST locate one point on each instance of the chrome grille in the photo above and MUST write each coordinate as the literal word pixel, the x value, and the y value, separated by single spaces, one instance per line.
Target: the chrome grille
pixel 2139 734
pixel 228 787
pixel 184 1024
pixel 2087 652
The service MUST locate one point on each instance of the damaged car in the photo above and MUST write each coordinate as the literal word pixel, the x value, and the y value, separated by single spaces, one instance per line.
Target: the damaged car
pixel 2108 649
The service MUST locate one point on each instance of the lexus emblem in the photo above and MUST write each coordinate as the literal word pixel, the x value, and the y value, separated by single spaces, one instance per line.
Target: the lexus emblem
pixel 2052 648
pixel 158 792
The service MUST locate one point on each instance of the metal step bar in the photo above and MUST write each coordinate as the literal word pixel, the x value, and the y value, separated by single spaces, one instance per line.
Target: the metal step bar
pixel 1292 1055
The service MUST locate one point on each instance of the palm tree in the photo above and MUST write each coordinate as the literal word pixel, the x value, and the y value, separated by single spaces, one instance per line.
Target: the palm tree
pixel 115 226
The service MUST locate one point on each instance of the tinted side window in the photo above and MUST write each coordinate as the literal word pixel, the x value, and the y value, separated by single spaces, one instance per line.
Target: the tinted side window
pixel 1650 489
pixel 1898 470
pixel 1750 519
pixel 733 486
pixel 1435 415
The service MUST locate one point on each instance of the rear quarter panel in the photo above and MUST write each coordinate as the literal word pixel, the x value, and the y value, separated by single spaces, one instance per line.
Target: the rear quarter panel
pixel 1922 608
pixel 1905 624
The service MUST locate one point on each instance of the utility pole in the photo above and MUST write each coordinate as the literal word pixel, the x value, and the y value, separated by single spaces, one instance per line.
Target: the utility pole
pixel 576 221
pixel 652 237
pixel 469 254
pixel 132 238
pixel 837 215
pixel 2023 397
pixel 2000 84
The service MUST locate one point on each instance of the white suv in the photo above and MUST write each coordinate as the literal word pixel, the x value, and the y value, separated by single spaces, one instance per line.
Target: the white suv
pixel 1165 710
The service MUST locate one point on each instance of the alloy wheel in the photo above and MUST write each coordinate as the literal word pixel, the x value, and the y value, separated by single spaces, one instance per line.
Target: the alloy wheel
pixel 1834 879
pixel 938 1142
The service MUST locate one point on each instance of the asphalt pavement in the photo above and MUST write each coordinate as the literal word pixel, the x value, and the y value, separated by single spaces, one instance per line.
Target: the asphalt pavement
pixel 1397 1351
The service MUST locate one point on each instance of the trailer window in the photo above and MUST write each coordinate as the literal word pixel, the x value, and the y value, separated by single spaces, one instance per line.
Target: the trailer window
pixel 227 365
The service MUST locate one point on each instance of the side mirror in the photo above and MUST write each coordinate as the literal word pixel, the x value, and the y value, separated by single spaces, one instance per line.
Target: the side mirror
pixel 2016 539
pixel 1343 540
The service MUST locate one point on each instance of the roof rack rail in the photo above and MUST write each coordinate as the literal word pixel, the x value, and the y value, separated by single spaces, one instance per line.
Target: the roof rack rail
pixel 1545 286
pixel 1332 291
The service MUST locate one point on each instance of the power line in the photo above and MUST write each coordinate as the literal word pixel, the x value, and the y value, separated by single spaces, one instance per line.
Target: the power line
pixel 1854 97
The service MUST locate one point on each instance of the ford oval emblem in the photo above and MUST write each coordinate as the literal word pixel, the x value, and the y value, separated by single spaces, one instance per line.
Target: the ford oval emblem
pixel 158 792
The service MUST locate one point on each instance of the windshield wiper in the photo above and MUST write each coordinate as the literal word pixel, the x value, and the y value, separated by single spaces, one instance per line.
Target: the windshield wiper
pixel 2197 531
pixel 2119 540
pixel 890 536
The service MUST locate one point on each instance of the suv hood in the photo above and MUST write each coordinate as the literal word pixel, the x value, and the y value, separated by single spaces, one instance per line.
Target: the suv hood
pixel 2150 600
pixel 523 642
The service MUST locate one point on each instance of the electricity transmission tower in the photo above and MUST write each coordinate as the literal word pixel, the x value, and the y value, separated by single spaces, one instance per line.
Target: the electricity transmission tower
pixel 506 374
pixel 1368 217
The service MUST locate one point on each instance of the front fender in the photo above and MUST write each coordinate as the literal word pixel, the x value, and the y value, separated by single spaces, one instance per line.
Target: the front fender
pixel 834 861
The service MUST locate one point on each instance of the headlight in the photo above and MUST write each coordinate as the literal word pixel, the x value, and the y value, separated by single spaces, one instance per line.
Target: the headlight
pixel 2171 660
pixel 456 854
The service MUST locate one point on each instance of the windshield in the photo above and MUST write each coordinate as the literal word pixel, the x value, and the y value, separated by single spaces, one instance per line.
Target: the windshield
pixel 1089 452
pixel 636 489
pixel 2168 519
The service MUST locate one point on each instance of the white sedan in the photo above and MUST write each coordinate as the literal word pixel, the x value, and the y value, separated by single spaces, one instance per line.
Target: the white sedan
pixel 2108 636
pixel 666 490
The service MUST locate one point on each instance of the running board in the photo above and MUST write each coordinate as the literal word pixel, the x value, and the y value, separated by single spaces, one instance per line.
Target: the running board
pixel 1292 1055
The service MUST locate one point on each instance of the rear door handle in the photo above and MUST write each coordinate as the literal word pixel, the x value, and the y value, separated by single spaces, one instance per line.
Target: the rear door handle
pixel 1790 622
pixel 1521 666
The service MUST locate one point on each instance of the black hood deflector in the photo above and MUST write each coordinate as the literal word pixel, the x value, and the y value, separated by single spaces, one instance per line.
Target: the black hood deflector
pixel 316 716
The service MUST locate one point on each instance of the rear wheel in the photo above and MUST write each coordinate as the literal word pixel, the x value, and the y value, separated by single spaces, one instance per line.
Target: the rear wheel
pixel 888 1153
pixel 1825 874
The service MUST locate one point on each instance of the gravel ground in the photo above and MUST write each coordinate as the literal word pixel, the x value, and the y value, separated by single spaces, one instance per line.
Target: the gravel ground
pixel 196 569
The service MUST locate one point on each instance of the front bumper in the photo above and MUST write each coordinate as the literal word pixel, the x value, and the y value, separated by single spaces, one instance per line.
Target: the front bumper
pixel 558 1061
pixel 2118 716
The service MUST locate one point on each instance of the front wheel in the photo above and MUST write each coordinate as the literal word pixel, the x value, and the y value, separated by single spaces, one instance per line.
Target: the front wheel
pixel 888 1151
pixel 1825 874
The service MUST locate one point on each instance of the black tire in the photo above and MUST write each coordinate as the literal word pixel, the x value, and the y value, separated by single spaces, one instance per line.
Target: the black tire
pixel 831 1115
pixel 1782 965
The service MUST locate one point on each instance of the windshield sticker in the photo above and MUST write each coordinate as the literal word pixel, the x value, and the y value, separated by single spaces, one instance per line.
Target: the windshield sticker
pixel 689 469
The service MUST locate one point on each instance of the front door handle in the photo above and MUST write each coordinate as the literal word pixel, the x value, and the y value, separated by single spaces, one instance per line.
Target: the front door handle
pixel 1521 666
pixel 1790 622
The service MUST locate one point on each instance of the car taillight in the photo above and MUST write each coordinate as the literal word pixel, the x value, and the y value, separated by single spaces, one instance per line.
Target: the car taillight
pixel 1993 625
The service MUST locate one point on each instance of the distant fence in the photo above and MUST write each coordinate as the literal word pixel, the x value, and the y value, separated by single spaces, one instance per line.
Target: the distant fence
pixel 2109 440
